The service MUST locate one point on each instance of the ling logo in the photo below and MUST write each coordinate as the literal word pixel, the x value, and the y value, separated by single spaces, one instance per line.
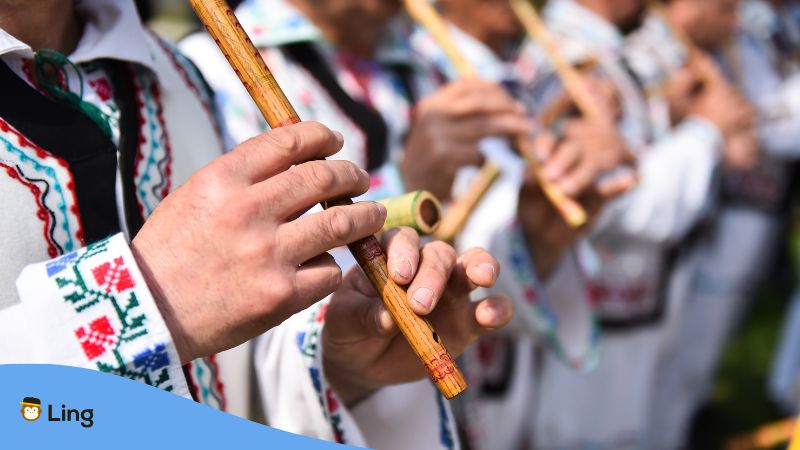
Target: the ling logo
pixel 32 410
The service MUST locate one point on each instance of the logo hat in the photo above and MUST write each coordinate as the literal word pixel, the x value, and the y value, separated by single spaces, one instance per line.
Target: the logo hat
pixel 31 401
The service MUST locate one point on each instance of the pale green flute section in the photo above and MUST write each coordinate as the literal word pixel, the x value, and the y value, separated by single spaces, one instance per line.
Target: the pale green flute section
pixel 419 210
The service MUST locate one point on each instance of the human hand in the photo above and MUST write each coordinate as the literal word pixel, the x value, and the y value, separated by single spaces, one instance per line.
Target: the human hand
pixel 546 232
pixel 363 349
pixel 228 255
pixel 447 127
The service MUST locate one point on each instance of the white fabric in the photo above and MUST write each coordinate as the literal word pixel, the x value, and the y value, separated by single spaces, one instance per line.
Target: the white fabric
pixel 608 408
pixel 556 313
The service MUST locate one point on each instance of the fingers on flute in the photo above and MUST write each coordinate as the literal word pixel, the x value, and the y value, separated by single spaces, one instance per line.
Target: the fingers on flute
pixel 304 185
pixel 544 146
pixel 436 264
pixel 566 156
pixel 474 268
pixel 491 313
pixel 402 253
pixel 579 179
pixel 470 320
pixel 275 151
pixel 316 278
pixel 617 185
pixel 475 96
pixel 498 124
pixel 361 311
pixel 314 234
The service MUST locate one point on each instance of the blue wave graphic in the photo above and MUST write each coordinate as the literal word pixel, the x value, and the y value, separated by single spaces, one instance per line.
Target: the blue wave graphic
pixel 125 414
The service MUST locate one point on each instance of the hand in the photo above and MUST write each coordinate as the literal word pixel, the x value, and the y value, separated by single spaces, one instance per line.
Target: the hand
pixel 363 349
pixel 605 96
pixel 680 92
pixel 742 150
pixel 719 102
pixel 589 149
pixel 546 233
pixel 227 255
pixel 447 127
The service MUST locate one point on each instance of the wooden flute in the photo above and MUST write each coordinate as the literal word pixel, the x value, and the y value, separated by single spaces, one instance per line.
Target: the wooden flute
pixel 706 73
pixel 248 64
pixel 426 15
pixel 569 75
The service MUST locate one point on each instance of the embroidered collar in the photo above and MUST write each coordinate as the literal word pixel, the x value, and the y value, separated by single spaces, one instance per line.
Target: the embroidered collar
pixel 272 23
pixel 112 29
pixel 570 18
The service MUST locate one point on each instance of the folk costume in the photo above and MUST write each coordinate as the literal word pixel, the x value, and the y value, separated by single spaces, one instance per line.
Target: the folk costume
pixel 370 103
pixel 550 315
pixel 86 157
pixel 777 28
pixel 636 267
pixel 750 203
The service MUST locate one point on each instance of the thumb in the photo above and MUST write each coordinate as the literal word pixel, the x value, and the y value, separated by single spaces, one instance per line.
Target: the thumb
pixel 356 312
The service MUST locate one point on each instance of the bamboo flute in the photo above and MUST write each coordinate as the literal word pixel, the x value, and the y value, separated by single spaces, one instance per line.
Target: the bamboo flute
pixel 573 82
pixel 419 210
pixel 704 72
pixel 246 61
pixel 427 16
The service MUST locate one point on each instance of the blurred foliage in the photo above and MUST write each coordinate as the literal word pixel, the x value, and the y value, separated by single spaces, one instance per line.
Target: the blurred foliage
pixel 739 403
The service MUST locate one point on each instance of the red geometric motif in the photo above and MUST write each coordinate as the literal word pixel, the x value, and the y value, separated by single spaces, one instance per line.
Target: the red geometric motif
pixel 102 87
pixel 97 339
pixel 320 316
pixel 333 403
pixel 530 295
pixel 113 276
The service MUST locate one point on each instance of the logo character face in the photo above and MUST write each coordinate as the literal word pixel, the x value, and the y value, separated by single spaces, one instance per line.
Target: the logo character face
pixel 31 408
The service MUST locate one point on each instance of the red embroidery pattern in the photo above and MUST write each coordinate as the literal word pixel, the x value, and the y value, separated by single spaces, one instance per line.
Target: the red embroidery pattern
pixel 42 212
pixel 113 276
pixel 102 87
pixel 440 367
pixel 96 337
pixel 46 157
pixel 149 141
pixel 187 79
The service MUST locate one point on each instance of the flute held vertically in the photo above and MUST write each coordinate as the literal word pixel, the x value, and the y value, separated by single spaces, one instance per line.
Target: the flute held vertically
pixel 246 61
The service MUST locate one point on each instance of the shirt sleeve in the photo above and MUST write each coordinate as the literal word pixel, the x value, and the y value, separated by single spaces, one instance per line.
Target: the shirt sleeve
pixel 677 175
pixel 91 308
pixel 297 397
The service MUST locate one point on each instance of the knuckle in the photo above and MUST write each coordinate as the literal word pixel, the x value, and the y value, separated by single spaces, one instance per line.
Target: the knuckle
pixel 320 175
pixel 284 140
pixel 340 225
pixel 445 252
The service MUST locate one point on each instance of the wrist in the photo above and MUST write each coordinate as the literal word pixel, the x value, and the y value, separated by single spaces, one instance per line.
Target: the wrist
pixel 167 311
pixel 348 387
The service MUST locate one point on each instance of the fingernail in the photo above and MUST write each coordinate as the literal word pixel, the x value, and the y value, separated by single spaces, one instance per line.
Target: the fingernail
pixel 498 316
pixel 403 268
pixel 339 137
pixel 380 208
pixel 424 297
pixel 488 269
